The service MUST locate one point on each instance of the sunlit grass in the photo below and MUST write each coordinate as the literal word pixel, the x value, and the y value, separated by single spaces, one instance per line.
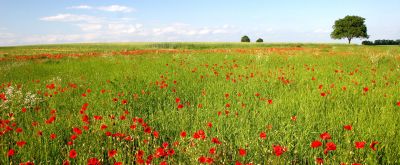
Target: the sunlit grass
pixel 292 94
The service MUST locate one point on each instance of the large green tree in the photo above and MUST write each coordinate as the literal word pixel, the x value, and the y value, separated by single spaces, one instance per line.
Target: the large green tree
pixel 349 27
pixel 245 39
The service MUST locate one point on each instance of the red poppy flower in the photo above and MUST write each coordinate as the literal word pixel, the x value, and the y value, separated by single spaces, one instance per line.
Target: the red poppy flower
pixel 180 106
pixel 242 152
pixel 348 127
pixel 177 100
pixel 330 146
pixel 323 94
pixel 85 119
pixel 209 124
pixel 263 135
pixel 155 134
pixel 77 130
pixel 319 161
pixel 294 118
pixel 372 145
pixel 165 144
pixel 112 153
pixel 269 101
pixel 10 152
pixel 93 161
pixel 65 162
pixel 316 144
pixel 227 105
pixel 215 140
pixel 50 86
pixel 53 136
pixel 18 130
pixel 360 145
pixel 171 152
pixel 147 130
pixel 98 117
pixel 50 120
pixel 279 150
pixel 365 89
pixel 398 103
pixel 183 134
pixel 202 159
pixel 325 136
pixel 163 163
pixel 210 161
pixel 124 102
pixel 21 143
pixel 72 154
pixel 118 163
pixel 212 150
pixel 160 152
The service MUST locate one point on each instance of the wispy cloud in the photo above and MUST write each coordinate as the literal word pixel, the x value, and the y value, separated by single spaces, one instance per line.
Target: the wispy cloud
pixel 81 7
pixel 70 18
pixel 116 8
pixel 90 27
pixel 187 30
pixel 111 8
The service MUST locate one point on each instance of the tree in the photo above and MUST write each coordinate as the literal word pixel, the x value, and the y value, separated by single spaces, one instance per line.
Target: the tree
pixel 245 39
pixel 367 43
pixel 349 27
pixel 260 40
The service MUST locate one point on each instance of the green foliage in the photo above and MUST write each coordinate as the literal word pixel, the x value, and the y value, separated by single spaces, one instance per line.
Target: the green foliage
pixel 260 40
pixel 382 42
pixel 349 27
pixel 245 39
pixel 386 42
pixel 367 43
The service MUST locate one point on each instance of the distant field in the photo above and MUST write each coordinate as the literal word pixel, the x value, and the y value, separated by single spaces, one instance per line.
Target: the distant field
pixel 200 103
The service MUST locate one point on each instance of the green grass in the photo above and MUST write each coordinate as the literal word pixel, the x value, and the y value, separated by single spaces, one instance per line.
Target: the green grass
pixel 203 77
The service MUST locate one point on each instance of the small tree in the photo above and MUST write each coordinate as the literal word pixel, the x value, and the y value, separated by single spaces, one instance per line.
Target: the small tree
pixel 367 43
pixel 349 27
pixel 260 40
pixel 245 39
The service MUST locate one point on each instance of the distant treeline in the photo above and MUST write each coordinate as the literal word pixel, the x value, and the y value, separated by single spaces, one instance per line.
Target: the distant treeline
pixel 382 42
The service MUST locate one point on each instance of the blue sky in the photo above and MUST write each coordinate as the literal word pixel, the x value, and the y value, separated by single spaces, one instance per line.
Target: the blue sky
pixel 69 21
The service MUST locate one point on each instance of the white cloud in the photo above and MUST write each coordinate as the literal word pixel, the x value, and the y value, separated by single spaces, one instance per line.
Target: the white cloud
pixel 116 8
pixel 118 28
pixel 70 18
pixel 111 8
pixel 111 30
pixel 90 27
pixel 61 38
pixel 6 35
pixel 187 30
pixel 219 31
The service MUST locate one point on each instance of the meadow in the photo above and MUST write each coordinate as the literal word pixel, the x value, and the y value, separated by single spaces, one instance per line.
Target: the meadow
pixel 199 103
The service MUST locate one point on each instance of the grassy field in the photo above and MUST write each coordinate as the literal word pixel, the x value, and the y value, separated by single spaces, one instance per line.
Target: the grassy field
pixel 200 103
